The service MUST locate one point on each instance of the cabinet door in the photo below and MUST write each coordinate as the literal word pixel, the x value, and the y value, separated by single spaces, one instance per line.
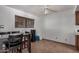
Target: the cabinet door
pixel 77 42
pixel 77 18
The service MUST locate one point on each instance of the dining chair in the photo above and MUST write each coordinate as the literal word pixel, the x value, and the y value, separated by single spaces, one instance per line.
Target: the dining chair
pixel 26 43
pixel 15 43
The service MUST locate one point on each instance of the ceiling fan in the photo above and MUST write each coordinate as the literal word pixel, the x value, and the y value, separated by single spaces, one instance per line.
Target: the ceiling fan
pixel 47 10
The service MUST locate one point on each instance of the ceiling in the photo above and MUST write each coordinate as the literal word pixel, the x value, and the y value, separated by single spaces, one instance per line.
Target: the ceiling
pixel 39 9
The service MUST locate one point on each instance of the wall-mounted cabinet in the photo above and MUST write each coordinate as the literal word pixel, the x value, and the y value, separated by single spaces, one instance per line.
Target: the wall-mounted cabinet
pixel 77 17
pixel 23 22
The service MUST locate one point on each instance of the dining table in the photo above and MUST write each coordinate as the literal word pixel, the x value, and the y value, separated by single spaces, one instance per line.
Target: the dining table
pixel 5 39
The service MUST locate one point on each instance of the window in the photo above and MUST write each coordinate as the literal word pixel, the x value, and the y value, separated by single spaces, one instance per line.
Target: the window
pixel 23 22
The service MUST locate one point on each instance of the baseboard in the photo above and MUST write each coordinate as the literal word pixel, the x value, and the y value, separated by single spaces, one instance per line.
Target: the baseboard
pixel 59 42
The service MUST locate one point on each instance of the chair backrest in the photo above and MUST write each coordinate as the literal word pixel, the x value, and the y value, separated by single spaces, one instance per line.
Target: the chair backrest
pixel 13 32
pixel 4 33
pixel 15 40
pixel 26 32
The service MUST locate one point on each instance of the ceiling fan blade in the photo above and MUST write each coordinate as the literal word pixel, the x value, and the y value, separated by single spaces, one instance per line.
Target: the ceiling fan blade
pixel 47 10
pixel 51 10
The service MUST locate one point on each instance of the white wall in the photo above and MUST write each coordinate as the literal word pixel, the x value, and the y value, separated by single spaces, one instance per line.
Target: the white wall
pixel 60 27
pixel 7 18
